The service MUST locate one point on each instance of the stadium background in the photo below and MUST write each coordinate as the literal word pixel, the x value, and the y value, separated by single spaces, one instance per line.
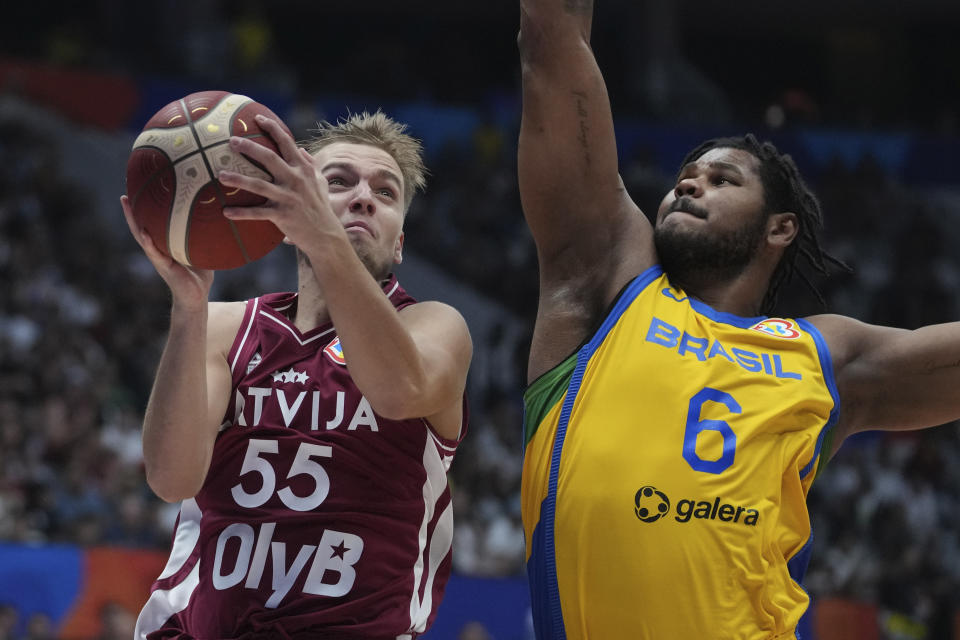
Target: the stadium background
pixel 865 95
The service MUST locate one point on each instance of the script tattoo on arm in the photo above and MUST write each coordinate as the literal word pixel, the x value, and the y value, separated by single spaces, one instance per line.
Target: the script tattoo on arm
pixel 583 136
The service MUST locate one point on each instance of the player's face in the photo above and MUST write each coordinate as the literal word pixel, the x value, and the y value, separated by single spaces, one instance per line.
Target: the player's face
pixel 714 218
pixel 366 193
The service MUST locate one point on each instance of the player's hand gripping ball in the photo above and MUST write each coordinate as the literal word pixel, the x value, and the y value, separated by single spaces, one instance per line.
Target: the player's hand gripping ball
pixel 172 184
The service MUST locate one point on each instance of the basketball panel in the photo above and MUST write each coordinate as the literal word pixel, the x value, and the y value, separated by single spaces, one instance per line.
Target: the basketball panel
pixel 171 181
pixel 259 237
pixel 211 241
pixel 152 208
pixel 144 166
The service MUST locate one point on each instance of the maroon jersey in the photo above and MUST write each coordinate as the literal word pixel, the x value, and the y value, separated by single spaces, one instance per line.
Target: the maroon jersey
pixel 318 517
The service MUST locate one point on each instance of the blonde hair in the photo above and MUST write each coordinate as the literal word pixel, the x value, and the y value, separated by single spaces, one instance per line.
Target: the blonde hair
pixel 381 131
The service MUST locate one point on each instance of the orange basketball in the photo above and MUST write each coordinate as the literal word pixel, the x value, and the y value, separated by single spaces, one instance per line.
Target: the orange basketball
pixel 172 185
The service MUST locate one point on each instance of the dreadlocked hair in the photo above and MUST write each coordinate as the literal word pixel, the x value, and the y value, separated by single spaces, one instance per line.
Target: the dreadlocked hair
pixel 784 190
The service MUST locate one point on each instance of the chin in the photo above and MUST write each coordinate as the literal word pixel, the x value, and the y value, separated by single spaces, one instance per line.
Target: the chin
pixel 379 269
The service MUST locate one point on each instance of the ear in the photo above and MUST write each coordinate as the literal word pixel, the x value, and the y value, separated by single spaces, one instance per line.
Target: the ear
pixel 398 250
pixel 782 229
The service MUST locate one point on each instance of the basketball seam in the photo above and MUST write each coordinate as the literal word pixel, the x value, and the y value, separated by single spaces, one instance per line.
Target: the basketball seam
pixel 233 228
pixel 216 183
pixel 156 174
pixel 170 164
pixel 191 123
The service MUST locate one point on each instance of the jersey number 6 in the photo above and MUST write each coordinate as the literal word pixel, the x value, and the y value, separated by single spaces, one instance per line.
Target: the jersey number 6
pixel 696 426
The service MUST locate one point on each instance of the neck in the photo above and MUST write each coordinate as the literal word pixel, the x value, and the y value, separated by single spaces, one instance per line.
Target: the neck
pixel 312 310
pixel 741 295
pixel 311 305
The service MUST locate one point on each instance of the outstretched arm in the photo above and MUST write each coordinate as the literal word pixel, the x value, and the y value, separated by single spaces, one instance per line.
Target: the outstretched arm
pixel 591 238
pixel 893 379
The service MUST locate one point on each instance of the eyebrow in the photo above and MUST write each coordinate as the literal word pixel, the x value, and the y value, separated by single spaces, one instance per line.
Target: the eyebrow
pixel 716 164
pixel 383 174
pixel 727 166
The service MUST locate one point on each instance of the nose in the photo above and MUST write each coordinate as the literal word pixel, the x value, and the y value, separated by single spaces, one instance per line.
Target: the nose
pixel 687 187
pixel 363 200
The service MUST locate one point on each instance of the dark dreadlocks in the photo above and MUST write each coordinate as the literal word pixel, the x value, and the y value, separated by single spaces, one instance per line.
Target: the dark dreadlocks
pixel 784 190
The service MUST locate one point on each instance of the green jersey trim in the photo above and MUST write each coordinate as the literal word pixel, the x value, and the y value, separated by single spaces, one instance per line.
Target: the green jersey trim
pixel 545 392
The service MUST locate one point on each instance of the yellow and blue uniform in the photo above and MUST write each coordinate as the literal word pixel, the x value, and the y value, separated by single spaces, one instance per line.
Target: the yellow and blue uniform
pixel 666 468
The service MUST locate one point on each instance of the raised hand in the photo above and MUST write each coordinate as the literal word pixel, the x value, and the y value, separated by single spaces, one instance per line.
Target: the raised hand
pixel 297 200
pixel 190 287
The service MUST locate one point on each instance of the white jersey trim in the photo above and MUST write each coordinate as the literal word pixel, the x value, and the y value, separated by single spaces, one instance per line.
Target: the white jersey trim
pixel 396 285
pixel 246 334
pixel 439 548
pixel 185 538
pixel 445 447
pixel 294 333
pixel 439 542
pixel 163 603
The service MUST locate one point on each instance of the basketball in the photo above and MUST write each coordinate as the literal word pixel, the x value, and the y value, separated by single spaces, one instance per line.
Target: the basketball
pixel 172 185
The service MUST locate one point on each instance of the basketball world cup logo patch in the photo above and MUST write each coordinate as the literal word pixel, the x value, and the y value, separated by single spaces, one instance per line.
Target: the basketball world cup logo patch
pixel 778 328
pixel 335 352
pixel 650 504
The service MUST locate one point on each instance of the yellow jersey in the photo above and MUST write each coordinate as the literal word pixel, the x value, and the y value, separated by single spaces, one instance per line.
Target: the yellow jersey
pixel 665 474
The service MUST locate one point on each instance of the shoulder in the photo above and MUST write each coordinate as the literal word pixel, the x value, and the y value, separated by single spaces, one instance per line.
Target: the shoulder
pixel 601 260
pixel 223 323
pixel 226 314
pixel 432 313
pixel 841 334
pixel 852 341
pixel 569 313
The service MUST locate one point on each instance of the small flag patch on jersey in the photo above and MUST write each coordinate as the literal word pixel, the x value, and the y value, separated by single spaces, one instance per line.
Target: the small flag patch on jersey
pixel 778 328
pixel 335 352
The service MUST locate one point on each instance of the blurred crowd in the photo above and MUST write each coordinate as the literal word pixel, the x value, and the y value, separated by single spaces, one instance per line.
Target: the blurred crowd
pixel 83 319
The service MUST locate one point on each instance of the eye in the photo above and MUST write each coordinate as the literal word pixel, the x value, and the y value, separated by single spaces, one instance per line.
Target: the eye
pixel 387 193
pixel 720 179
pixel 336 181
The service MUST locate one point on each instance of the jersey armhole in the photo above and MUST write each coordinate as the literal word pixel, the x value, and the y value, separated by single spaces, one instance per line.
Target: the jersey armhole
pixel 646 278
pixel 543 393
pixel 241 340
pixel 825 439
pixel 448 443
pixel 825 453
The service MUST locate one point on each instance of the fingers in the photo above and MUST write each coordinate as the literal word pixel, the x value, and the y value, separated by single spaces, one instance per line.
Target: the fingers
pixel 289 153
pixel 142 236
pixel 139 233
pixel 128 216
pixel 273 163
pixel 285 143
pixel 269 190
pixel 185 282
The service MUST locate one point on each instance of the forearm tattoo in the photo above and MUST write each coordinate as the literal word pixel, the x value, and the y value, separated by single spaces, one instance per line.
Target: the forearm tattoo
pixel 582 135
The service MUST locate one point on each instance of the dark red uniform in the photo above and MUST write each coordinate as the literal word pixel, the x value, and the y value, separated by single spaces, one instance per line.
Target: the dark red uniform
pixel 318 517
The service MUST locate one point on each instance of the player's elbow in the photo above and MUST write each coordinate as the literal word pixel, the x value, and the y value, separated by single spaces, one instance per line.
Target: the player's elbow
pixel 531 44
pixel 417 394
pixel 170 486
pixel 400 401
pixel 544 38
